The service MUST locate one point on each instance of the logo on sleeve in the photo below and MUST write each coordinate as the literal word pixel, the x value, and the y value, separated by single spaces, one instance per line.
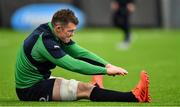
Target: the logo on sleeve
pixel 56 47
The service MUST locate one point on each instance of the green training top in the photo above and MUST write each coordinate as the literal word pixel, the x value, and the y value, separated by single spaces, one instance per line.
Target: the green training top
pixel 42 51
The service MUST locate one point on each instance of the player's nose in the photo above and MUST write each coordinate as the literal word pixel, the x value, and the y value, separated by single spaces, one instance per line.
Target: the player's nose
pixel 71 35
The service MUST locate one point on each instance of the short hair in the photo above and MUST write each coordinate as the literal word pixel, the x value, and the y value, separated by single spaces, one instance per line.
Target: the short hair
pixel 64 16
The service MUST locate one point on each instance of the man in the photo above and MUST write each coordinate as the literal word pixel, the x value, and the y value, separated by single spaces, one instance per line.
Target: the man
pixel 122 10
pixel 49 45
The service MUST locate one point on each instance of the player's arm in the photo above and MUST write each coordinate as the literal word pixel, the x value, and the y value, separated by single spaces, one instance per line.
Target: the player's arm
pixel 51 51
pixel 78 52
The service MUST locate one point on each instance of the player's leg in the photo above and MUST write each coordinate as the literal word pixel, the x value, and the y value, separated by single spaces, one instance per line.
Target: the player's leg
pixel 69 90
pixel 126 28
pixel 139 94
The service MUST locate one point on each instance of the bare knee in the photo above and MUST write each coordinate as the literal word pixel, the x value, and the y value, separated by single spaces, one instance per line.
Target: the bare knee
pixel 84 90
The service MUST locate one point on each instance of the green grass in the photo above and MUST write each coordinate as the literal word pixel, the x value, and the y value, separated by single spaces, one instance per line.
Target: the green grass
pixel 154 50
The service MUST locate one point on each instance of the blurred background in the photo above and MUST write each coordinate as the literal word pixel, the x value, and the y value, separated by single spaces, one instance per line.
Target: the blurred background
pixel 149 13
pixel 154 46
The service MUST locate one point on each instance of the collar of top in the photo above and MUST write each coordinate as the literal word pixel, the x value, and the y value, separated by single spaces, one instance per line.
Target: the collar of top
pixel 52 30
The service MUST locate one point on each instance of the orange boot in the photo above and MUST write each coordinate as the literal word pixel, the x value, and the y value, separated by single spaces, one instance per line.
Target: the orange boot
pixel 141 91
pixel 97 80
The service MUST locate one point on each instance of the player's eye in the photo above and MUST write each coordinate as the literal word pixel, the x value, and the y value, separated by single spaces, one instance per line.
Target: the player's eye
pixel 71 31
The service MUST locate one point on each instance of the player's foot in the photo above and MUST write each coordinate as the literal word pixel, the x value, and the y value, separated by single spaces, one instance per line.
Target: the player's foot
pixel 141 91
pixel 97 80
pixel 123 45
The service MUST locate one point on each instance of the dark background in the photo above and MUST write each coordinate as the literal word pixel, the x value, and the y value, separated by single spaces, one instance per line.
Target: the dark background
pixel 149 13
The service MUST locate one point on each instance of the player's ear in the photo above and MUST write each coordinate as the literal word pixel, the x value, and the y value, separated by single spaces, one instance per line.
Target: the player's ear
pixel 58 28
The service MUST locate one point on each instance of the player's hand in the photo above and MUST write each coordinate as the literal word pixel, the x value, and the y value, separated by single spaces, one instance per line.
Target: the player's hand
pixel 131 7
pixel 114 6
pixel 114 70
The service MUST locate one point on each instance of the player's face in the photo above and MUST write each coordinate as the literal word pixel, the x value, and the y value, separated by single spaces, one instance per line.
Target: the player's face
pixel 66 32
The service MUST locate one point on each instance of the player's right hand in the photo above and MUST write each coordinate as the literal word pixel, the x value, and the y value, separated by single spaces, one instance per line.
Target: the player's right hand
pixel 114 70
